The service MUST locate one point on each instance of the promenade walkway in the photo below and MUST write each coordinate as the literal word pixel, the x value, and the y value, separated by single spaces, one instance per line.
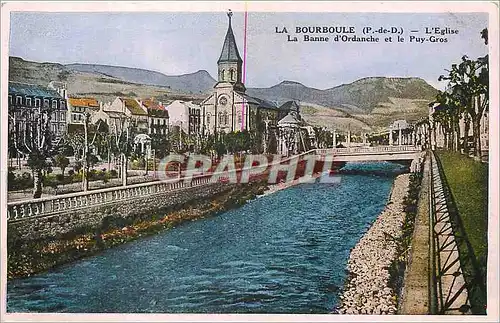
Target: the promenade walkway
pixel 434 282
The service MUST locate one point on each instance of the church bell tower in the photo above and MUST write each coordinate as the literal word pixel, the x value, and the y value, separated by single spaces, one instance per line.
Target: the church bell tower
pixel 230 62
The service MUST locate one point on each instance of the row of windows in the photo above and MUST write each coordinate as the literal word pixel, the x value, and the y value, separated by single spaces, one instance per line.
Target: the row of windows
pixel 193 111
pixel 159 122
pixel 57 128
pixel 232 75
pixel 159 131
pixel 223 118
pixel 36 102
pixel 58 116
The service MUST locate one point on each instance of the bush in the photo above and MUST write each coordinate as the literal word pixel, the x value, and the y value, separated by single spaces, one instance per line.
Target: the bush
pixel 77 177
pixel 78 166
pixel 50 181
pixel 113 173
pixel 71 173
pixel 19 182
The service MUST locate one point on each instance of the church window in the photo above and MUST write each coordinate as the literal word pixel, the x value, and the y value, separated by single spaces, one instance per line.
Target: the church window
pixel 239 118
pixel 222 75
pixel 231 73
pixel 208 118
pixel 226 118
pixel 221 117
pixel 19 100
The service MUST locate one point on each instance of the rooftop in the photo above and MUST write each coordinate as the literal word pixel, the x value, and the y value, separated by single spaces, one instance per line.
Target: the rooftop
pixel 290 106
pixel 229 50
pixel 32 90
pixel 133 106
pixel 84 102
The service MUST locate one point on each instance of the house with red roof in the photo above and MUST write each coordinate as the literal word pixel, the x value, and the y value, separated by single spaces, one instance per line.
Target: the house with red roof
pixel 158 117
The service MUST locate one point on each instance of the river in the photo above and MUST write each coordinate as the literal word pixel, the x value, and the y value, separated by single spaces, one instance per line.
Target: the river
pixel 281 253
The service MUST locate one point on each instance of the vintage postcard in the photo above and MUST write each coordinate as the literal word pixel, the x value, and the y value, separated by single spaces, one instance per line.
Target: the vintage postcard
pixel 249 161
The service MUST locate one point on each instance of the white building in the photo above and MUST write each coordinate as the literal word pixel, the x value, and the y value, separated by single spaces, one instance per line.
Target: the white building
pixel 185 115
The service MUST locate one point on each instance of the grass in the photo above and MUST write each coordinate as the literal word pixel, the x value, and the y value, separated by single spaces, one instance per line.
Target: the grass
pixel 468 182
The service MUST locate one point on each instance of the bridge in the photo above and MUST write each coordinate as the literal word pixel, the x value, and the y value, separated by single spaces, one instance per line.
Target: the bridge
pixel 376 153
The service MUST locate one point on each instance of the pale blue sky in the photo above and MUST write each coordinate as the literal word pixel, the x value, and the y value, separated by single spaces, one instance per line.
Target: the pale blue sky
pixel 178 43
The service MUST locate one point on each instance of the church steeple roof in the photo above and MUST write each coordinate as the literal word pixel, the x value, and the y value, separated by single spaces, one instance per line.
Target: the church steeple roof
pixel 229 49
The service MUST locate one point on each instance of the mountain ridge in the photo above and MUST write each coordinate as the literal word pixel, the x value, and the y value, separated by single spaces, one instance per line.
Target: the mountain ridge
pixel 373 99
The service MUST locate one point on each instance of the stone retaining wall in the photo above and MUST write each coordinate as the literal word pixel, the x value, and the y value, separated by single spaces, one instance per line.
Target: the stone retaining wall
pixel 367 290
pixel 92 217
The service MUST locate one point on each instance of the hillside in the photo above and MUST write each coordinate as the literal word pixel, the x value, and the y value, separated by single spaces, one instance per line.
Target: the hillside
pixel 367 103
pixel 362 96
pixel 197 82
pixel 102 87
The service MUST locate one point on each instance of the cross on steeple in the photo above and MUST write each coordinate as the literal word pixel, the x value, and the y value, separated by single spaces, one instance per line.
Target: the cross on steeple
pixel 229 14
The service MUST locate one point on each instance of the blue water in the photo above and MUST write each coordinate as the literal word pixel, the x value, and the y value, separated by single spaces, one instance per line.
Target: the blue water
pixel 281 253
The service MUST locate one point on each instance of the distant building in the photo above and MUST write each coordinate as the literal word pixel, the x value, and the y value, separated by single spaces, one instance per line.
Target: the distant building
pixel 26 102
pixel 78 106
pixel 131 109
pixel 158 118
pixel 186 116
pixel 287 107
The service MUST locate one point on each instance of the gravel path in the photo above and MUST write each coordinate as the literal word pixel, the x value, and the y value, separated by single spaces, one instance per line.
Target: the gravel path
pixel 367 291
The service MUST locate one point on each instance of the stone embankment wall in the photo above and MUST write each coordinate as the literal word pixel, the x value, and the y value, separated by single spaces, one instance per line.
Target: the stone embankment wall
pixel 367 290
pixel 92 217
pixel 38 244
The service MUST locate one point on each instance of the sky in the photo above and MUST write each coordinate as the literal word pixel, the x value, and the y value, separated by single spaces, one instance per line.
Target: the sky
pixel 181 42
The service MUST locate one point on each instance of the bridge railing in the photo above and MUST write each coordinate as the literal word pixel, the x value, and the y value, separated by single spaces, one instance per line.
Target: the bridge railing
pixel 368 150
pixel 43 206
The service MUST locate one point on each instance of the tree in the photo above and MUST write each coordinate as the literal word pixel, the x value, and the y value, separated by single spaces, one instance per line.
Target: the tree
pixel 123 143
pixel 30 130
pixel 447 113
pixel 62 162
pixel 469 86
pixel 160 144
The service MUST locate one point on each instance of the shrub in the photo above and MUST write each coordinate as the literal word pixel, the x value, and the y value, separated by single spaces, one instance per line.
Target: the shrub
pixel 113 173
pixel 78 166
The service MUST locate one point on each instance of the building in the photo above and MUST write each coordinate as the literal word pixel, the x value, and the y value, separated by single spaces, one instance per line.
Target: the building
pixel 128 108
pixel 77 107
pixel 27 103
pixel 158 118
pixel 228 108
pixel 186 116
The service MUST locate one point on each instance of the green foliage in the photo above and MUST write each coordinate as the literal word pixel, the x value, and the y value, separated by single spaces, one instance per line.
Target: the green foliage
pixel 61 161
pixel 19 182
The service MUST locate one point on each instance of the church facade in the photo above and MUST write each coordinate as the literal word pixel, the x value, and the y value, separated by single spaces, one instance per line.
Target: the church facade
pixel 228 108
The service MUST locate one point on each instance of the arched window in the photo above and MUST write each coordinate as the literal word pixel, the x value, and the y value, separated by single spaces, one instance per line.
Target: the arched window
pixel 231 74
pixel 226 118
pixel 222 75
pixel 221 118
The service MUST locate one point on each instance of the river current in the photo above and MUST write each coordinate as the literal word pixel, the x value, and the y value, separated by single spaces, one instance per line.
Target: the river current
pixel 281 253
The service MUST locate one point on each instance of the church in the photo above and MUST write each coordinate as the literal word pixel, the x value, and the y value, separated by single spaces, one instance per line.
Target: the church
pixel 229 108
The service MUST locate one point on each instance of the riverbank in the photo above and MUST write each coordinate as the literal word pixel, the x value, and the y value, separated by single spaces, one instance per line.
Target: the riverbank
pixel 367 289
pixel 29 257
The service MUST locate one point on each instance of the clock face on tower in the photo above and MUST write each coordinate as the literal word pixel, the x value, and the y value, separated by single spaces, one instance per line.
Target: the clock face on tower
pixel 222 100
